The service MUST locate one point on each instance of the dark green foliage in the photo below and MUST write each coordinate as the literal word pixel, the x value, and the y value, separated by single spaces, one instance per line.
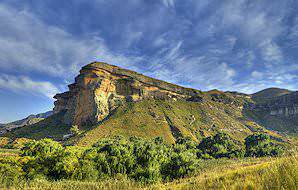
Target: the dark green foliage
pixel 48 158
pixel 135 157
pixel 260 144
pixel 146 161
pixel 180 165
pixel 218 146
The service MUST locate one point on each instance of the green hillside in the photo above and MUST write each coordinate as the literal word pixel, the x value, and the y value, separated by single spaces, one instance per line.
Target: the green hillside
pixel 217 112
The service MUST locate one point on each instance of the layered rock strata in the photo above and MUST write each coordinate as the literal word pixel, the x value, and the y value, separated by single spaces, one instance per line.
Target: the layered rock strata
pixel 101 88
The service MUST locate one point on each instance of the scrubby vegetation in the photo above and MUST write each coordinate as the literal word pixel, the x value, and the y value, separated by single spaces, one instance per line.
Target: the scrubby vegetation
pixel 144 161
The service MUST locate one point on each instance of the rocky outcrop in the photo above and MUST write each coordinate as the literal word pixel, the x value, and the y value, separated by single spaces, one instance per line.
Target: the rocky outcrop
pixel 100 88
pixel 285 105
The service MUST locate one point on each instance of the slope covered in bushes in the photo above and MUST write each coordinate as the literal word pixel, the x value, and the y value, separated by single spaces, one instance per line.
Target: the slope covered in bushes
pixel 145 161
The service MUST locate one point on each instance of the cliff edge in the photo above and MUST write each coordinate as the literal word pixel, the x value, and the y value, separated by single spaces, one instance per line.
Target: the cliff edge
pixel 100 88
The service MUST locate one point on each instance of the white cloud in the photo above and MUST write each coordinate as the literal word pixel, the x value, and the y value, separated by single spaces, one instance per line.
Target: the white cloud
pixel 159 41
pixel 271 52
pixel 258 29
pixel 249 88
pixel 23 84
pixel 201 72
pixel 28 44
pixel 169 3
pixel 257 74
pixel 209 62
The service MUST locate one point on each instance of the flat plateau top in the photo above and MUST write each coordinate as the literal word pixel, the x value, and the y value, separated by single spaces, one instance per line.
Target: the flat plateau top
pixel 142 78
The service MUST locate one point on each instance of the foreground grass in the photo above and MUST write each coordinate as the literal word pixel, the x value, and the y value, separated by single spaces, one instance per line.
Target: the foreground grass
pixel 270 174
pixel 263 173
pixel 8 152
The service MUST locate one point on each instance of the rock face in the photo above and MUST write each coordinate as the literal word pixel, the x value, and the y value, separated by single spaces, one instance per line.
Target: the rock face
pixel 285 105
pixel 100 88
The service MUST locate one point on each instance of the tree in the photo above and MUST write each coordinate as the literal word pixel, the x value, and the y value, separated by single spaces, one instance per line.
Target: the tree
pixel 75 130
pixel 40 158
pixel 218 146
pixel 260 144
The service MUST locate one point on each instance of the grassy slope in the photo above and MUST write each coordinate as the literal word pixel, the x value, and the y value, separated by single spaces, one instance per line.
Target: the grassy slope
pixel 152 118
pixel 219 112
pixel 47 128
pixel 264 173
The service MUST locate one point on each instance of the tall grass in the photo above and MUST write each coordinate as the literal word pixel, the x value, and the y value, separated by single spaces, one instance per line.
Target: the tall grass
pixel 273 174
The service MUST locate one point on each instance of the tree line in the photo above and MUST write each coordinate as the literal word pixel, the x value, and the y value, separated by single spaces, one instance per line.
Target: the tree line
pixel 146 161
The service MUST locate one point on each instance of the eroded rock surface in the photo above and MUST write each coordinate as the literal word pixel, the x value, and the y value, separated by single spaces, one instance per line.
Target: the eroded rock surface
pixel 285 105
pixel 101 88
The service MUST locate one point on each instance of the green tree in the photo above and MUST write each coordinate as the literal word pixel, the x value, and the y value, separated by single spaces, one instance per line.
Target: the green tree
pixel 260 144
pixel 41 157
pixel 218 146
pixel 75 130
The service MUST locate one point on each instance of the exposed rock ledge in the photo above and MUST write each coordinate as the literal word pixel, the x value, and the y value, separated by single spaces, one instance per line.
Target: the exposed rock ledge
pixel 100 88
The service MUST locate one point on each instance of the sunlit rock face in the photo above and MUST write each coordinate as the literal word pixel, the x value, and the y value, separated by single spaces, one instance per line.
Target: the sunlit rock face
pixel 101 88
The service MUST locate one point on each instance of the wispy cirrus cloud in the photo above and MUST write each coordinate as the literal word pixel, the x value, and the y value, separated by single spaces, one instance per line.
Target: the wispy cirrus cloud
pixel 202 44
pixel 23 84
pixel 169 3
pixel 28 44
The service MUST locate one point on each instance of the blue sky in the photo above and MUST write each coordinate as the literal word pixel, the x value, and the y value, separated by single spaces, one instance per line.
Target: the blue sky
pixel 243 45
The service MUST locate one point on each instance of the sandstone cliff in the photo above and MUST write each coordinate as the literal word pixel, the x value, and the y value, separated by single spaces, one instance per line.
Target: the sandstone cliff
pixel 100 88
pixel 106 100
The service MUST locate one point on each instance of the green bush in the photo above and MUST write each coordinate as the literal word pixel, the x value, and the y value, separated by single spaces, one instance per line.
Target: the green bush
pixel 146 161
pixel 10 171
pixel 260 144
pixel 10 174
pixel 219 146
pixel 180 165
pixel 43 158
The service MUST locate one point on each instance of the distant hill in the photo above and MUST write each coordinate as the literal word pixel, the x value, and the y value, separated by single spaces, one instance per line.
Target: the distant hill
pixel 31 119
pixel 277 109
pixel 269 93
pixel 107 100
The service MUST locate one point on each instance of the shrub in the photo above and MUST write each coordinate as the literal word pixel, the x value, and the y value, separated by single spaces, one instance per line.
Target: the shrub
pixel 75 130
pixel 4 141
pixel 42 158
pixel 260 144
pixel 146 161
pixel 10 171
pixel 219 146
pixel 180 165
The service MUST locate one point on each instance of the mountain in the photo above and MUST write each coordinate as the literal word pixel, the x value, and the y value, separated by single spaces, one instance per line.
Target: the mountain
pixel 277 110
pixel 31 119
pixel 106 100
pixel 101 88
pixel 269 93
